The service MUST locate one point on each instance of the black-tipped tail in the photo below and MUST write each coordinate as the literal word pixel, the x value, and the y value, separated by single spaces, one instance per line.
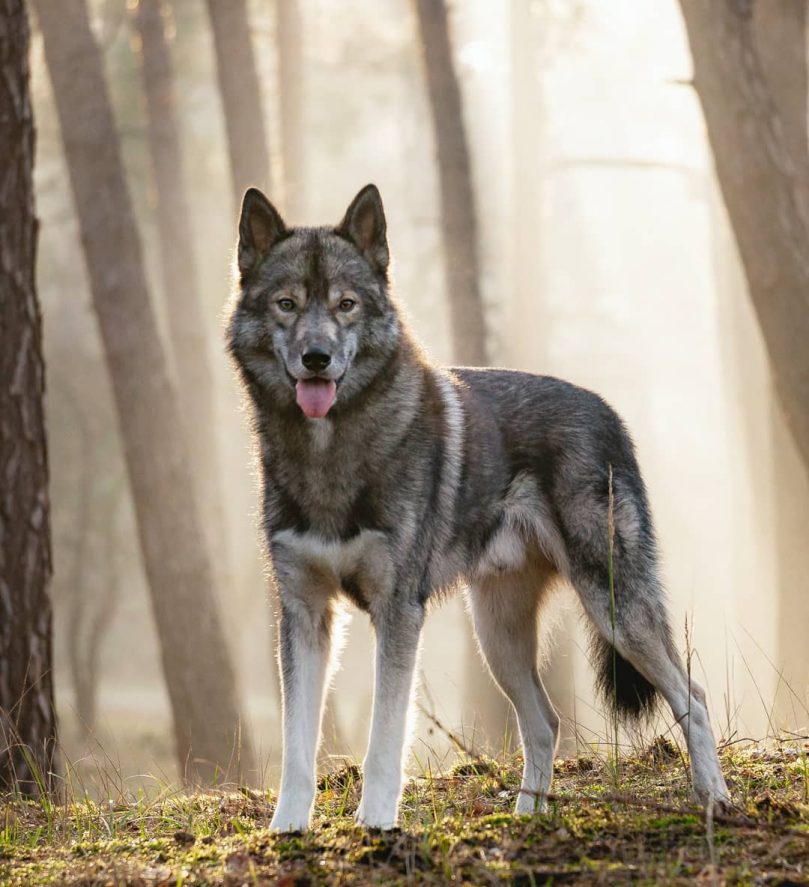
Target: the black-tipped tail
pixel 623 687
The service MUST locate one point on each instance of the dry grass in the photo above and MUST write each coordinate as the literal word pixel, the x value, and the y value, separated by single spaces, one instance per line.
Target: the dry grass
pixel 634 824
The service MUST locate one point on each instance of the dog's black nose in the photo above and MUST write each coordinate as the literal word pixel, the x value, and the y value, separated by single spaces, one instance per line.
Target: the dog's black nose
pixel 316 361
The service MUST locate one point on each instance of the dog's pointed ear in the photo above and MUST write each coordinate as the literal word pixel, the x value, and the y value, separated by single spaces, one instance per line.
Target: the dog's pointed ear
pixel 260 227
pixel 364 225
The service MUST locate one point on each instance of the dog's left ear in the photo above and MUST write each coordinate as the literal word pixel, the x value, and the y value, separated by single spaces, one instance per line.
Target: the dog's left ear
pixel 364 225
pixel 260 227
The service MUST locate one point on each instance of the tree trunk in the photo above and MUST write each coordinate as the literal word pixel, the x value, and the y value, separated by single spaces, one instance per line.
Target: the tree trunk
pixel 241 97
pixel 764 189
pixel 290 76
pixel 780 31
pixel 458 220
pixel 459 234
pixel 529 342
pixel 181 291
pixel 27 714
pixel 754 96
pixel 198 670
pixel 77 595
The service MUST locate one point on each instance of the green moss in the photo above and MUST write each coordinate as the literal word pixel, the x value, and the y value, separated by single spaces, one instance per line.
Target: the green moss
pixel 456 828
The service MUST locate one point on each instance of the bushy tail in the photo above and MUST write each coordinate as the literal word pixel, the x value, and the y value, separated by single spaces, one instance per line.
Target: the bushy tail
pixel 624 688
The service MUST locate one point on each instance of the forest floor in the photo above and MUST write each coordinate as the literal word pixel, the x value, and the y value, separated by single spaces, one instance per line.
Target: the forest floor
pixel 606 825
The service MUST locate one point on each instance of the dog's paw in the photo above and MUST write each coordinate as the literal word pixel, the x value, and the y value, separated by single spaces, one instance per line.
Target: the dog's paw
pixel 530 803
pixel 374 815
pixel 285 821
pixel 719 804
pixel 715 795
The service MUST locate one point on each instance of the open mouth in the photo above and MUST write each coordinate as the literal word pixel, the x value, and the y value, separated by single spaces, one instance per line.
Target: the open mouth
pixel 315 396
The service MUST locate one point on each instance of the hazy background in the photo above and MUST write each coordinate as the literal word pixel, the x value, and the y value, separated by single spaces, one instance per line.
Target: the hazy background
pixel 606 259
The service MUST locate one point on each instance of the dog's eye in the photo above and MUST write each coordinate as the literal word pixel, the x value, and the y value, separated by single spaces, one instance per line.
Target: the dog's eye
pixel 347 304
pixel 286 304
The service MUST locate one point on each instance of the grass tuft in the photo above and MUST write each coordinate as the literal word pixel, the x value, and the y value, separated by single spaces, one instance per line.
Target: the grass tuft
pixel 456 828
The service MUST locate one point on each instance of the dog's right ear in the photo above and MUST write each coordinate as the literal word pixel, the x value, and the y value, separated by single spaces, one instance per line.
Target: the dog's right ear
pixel 260 228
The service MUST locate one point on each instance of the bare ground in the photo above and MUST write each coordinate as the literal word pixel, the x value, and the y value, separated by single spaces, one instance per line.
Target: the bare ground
pixel 633 823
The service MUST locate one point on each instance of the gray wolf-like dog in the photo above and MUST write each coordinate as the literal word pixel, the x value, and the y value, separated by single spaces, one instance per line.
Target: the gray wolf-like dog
pixel 388 481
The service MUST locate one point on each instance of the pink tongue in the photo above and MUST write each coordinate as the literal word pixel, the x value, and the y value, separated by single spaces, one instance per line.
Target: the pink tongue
pixel 315 396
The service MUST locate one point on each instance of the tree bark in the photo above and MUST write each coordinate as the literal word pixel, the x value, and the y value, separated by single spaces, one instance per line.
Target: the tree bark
pixel 290 76
pixel 196 664
pixel 458 218
pixel 764 189
pixel 27 714
pixel 248 149
pixel 467 322
pixel 181 291
pixel 754 95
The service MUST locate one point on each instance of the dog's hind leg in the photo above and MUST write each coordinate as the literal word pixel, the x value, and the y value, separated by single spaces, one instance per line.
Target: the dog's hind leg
pixel 639 649
pixel 633 645
pixel 505 609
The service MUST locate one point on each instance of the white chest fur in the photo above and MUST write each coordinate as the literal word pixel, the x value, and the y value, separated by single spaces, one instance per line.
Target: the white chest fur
pixel 364 559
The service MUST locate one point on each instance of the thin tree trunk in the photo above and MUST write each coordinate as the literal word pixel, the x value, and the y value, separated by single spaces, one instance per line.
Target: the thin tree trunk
pixel 77 585
pixel 764 189
pixel 196 664
pixel 248 149
pixel 530 341
pixel 27 714
pixel 780 35
pixel 458 218
pixel 290 76
pixel 459 234
pixel 754 96
pixel 181 291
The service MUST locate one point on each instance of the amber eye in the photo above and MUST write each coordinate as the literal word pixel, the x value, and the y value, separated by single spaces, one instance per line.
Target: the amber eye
pixel 286 305
pixel 347 304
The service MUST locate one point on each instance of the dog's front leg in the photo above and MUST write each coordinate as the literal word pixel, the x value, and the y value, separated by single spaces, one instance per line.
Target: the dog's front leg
pixel 397 639
pixel 303 652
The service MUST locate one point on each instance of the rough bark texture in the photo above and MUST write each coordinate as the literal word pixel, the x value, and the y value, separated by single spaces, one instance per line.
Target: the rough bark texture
pixel 290 76
pixel 780 35
pixel 763 187
pixel 27 715
pixel 197 667
pixel 184 306
pixel 241 97
pixel 754 96
pixel 458 220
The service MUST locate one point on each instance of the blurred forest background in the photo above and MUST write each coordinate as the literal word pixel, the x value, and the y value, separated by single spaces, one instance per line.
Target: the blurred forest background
pixel 553 205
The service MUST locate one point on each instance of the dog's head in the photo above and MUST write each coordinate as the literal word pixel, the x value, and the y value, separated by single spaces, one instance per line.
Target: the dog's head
pixel 313 322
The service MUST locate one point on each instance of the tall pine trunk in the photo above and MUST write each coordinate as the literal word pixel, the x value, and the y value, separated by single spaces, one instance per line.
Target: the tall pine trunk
pixel 780 31
pixel 750 72
pixel 290 77
pixel 458 217
pixel 27 714
pixel 248 149
pixel 764 189
pixel 462 268
pixel 181 290
pixel 196 663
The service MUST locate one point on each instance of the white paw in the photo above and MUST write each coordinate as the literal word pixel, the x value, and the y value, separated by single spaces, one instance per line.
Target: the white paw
pixel 530 802
pixel 375 814
pixel 284 820
pixel 710 786
pixel 715 792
